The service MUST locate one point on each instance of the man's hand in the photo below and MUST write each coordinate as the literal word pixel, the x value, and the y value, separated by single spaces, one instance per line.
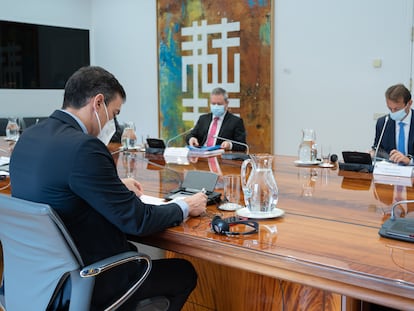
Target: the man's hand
pixel 133 185
pixel 193 142
pixel 197 204
pixel 226 145
pixel 398 157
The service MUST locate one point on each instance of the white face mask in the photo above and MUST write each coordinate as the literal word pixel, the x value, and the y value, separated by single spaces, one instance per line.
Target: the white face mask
pixel 109 129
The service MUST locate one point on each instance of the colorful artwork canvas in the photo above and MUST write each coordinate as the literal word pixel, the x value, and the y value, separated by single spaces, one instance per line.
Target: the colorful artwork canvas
pixel 203 44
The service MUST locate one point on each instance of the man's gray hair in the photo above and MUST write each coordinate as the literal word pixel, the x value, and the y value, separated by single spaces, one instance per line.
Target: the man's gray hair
pixel 220 91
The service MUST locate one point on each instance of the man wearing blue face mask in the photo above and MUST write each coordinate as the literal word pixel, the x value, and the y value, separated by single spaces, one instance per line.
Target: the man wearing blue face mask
pixel 398 137
pixel 219 123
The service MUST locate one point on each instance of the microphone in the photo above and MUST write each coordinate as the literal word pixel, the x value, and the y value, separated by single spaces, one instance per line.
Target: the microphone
pixel 380 139
pixel 178 155
pixel 177 136
pixel 235 156
pixel 398 203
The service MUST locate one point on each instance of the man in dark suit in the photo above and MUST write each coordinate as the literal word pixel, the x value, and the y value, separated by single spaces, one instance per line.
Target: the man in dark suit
pixel 398 138
pixel 64 162
pixel 219 122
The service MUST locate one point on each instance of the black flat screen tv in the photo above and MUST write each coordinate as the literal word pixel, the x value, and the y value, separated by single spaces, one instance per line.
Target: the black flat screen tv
pixel 40 57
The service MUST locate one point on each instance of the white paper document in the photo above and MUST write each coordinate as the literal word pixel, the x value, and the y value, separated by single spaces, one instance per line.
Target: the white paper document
pixel 393 169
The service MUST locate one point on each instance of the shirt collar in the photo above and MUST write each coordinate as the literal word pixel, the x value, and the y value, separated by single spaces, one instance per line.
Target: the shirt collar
pixel 83 127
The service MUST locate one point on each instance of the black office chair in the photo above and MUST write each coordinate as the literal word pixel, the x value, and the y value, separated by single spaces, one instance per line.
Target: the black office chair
pixel 29 121
pixel 3 124
pixel 40 257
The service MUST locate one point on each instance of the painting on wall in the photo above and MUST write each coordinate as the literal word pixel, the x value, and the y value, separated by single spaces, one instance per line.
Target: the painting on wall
pixel 204 44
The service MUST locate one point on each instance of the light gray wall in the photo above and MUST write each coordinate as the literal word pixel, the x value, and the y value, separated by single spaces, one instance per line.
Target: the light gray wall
pixel 323 62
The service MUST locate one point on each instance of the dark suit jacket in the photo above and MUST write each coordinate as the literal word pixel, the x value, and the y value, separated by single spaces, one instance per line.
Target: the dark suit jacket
pixel 388 140
pixel 55 162
pixel 231 128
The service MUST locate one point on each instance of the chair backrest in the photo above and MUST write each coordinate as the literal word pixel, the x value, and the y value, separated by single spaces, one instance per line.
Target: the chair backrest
pixel 29 121
pixel 38 253
pixel 3 124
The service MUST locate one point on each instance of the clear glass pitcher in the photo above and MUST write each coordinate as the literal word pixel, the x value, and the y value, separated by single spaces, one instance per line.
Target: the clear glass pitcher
pixel 12 129
pixel 129 138
pixel 307 148
pixel 259 187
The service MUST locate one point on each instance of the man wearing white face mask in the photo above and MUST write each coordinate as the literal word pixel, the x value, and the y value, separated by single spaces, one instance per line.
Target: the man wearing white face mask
pixel 62 163
pixel 219 122
pixel 398 137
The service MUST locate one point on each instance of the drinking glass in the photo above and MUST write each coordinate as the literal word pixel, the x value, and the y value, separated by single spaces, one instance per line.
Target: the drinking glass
pixel 325 155
pixel 231 192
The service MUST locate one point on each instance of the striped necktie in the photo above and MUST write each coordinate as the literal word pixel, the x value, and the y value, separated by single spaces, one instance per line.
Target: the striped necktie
pixel 212 133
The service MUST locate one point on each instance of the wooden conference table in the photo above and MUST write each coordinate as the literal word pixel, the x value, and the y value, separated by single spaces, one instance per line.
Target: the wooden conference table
pixel 326 246
pixel 323 254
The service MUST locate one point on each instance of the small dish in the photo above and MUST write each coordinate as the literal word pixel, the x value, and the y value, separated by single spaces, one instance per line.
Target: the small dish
pixel 229 206
pixel 308 163
pixel 326 165
pixel 244 212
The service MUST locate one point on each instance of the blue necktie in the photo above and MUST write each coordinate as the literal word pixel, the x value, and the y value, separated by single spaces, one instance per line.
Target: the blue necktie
pixel 401 139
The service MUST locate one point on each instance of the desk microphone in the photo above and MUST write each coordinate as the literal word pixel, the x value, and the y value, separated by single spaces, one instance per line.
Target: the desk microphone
pixel 177 136
pixel 121 149
pixel 398 203
pixel 235 156
pixel 380 139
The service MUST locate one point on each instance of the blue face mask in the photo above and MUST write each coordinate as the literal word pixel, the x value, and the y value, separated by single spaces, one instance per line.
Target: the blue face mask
pixel 398 115
pixel 217 110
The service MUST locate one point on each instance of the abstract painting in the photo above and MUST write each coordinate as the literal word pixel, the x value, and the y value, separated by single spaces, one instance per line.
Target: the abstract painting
pixel 203 44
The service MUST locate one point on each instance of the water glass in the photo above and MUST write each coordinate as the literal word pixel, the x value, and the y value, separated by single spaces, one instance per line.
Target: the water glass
pixel 231 191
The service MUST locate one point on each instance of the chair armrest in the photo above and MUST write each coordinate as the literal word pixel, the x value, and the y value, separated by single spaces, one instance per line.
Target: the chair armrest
pixel 103 265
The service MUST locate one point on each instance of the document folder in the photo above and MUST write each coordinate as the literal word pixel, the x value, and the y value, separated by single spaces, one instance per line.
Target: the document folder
pixel 196 181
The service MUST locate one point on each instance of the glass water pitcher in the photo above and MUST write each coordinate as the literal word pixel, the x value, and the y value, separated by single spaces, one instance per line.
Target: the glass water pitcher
pixel 307 148
pixel 259 187
pixel 12 129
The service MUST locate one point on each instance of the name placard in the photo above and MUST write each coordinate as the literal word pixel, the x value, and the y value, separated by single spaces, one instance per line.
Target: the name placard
pixel 176 155
pixel 393 169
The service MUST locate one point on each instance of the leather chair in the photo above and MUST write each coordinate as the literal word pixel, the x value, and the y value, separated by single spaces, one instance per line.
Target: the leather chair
pixel 41 259
pixel 29 121
pixel 3 124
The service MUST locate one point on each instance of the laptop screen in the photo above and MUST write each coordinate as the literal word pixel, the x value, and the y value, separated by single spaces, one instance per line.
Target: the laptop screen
pixel 198 180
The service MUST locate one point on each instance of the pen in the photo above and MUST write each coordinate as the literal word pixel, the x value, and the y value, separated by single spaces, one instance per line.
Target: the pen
pixel 203 190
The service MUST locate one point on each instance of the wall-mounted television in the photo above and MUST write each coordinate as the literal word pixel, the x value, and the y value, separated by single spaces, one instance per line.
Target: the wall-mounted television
pixel 40 57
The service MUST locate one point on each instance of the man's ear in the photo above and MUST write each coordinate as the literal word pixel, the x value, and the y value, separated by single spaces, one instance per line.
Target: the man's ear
pixel 97 100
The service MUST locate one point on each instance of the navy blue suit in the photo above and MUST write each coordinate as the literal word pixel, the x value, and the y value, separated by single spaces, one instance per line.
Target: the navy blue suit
pixel 56 163
pixel 388 142
pixel 231 128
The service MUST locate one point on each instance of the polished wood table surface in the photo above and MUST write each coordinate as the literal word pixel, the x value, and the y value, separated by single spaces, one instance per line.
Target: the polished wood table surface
pixel 327 240
pixel 325 247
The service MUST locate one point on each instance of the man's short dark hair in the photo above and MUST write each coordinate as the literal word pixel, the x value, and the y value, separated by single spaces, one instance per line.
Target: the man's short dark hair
pixel 88 82
pixel 398 91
